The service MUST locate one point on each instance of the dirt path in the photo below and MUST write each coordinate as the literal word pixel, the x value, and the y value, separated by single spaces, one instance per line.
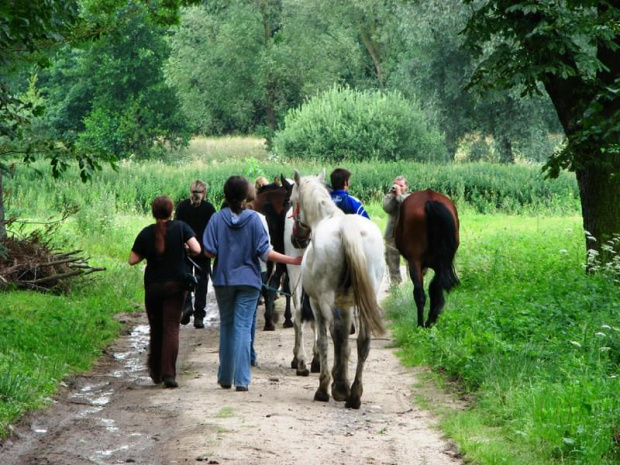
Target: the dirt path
pixel 115 415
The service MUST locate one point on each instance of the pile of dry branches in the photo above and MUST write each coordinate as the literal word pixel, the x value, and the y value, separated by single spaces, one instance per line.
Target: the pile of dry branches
pixel 29 263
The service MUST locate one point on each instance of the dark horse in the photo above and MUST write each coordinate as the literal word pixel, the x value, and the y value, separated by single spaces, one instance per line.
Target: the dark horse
pixel 427 235
pixel 273 201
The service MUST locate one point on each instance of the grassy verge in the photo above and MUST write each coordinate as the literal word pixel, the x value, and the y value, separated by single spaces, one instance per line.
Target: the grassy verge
pixel 532 340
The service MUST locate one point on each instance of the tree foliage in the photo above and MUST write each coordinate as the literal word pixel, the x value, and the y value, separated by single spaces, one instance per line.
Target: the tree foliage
pixel 29 33
pixel 572 49
pixel 431 63
pixel 110 97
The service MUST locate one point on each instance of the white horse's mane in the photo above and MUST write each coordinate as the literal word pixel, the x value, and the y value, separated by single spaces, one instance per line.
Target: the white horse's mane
pixel 316 201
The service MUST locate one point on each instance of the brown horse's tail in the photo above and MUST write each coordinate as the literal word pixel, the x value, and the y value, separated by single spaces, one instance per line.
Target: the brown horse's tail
pixel 442 239
pixel 370 314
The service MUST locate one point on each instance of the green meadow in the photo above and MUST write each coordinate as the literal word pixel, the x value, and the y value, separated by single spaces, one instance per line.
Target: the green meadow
pixel 529 343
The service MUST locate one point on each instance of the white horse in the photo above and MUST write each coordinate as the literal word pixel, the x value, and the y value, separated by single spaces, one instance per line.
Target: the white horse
pixel 342 268
pixel 295 243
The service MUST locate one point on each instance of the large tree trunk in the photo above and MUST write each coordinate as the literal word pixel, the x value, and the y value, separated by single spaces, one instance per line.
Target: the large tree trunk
pixel 2 217
pixel 600 207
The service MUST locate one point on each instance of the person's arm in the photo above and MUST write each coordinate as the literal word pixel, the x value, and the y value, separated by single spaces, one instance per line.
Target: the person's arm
pixel 281 258
pixel 390 204
pixel 134 258
pixel 193 246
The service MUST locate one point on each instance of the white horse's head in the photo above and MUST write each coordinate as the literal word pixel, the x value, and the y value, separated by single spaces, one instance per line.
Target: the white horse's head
pixel 310 198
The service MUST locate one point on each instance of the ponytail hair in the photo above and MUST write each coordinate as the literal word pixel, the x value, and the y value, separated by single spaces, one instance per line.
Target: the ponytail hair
pixel 235 192
pixel 162 211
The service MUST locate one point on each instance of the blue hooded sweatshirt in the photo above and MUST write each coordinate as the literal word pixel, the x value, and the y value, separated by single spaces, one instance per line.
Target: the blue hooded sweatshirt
pixel 238 243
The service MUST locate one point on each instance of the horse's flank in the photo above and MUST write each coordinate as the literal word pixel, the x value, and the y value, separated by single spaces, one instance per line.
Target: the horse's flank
pixel 427 236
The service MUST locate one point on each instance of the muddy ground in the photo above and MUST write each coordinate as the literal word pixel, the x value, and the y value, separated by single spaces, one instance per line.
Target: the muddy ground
pixel 114 414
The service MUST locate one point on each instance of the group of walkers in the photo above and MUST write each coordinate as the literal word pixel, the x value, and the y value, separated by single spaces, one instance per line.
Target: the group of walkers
pixel 237 239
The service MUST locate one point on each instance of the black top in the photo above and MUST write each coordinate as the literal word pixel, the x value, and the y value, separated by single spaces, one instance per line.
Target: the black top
pixel 171 265
pixel 196 217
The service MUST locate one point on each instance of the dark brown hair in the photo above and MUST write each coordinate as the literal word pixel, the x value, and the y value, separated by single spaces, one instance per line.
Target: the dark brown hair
pixel 162 210
pixel 235 192
pixel 338 177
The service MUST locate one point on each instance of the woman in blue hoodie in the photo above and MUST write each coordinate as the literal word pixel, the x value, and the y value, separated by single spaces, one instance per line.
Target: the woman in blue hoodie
pixel 238 241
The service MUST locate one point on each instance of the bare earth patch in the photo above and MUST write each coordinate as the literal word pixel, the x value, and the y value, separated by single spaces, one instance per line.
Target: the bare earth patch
pixel 115 415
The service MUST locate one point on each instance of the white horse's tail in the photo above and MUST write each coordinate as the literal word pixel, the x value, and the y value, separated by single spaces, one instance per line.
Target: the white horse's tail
pixel 370 314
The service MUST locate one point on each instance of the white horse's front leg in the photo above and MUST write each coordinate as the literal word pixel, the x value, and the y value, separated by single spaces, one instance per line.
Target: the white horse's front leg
pixel 299 351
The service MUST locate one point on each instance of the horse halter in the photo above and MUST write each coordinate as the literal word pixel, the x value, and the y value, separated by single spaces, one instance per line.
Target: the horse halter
pixel 301 231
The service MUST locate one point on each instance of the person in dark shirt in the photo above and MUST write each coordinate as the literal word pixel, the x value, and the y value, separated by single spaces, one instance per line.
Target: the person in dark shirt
pixel 340 195
pixel 197 212
pixel 162 245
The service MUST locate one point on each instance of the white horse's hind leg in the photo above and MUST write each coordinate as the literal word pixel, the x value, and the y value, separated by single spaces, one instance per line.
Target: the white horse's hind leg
pixel 315 366
pixel 340 335
pixel 322 393
pixel 363 348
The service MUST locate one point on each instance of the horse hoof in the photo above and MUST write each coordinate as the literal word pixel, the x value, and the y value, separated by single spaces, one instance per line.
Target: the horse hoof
pixel 354 403
pixel 321 396
pixel 288 324
pixel 269 327
pixel 304 372
pixel 315 366
pixel 340 392
pixel 294 364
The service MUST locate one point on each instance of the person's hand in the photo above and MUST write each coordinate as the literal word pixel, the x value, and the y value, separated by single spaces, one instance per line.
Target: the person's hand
pixel 398 187
pixel 297 260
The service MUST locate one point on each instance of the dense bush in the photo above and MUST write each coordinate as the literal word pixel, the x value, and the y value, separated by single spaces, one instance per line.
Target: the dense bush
pixel 350 125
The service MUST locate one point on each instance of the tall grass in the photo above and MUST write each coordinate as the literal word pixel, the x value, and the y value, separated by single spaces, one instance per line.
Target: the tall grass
pixel 532 339
pixel 485 188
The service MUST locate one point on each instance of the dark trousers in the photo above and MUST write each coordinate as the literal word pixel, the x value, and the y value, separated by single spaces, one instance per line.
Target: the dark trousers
pixel 200 295
pixel 164 303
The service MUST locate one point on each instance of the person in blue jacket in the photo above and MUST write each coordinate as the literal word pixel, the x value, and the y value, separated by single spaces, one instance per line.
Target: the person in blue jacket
pixel 237 239
pixel 347 203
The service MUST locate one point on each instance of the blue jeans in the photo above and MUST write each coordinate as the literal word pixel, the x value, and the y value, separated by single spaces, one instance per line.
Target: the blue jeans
pixel 237 306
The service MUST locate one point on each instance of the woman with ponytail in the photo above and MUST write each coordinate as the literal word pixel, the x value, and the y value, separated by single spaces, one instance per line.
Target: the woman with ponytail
pixel 238 240
pixel 162 245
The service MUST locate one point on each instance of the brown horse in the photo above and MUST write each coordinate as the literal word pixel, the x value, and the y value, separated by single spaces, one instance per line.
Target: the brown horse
pixel 273 201
pixel 427 235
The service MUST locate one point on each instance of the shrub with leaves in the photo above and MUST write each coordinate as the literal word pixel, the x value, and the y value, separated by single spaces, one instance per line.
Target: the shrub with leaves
pixel 344 124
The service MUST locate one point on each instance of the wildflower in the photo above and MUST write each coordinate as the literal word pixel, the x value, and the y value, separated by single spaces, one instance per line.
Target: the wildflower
pixel 575 343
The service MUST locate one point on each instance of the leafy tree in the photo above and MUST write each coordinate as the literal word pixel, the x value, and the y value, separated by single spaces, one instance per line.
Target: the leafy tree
pixel 572 49
pixel 110 97
pixel 239 66
pixel 28 33
pixel 431 63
